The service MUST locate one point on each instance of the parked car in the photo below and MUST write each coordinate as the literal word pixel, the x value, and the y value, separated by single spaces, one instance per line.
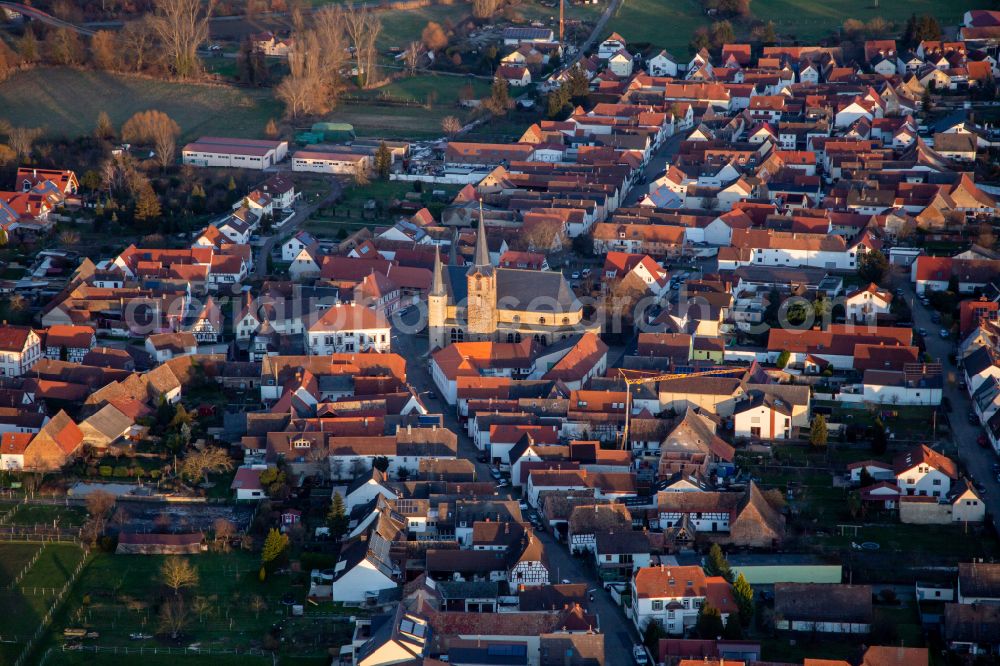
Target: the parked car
pixel 945 334
pixel 639 654
pixel 936 318
pixel 495 473
pixel 922 332
pixel 575 275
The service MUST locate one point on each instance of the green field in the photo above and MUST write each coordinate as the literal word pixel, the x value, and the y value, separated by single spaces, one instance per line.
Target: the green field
pixel 809 20
pixel 120 594
pixel 670 26
pixel 66 102
pixel 14 557
pixel 399 28
pixel 25 604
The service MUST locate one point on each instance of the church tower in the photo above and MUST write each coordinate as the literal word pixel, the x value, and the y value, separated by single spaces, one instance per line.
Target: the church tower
pixel 481 280
pixel 437 306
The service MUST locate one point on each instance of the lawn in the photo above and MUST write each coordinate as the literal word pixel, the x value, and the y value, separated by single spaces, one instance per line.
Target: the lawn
pixel 13 557
pixel 664 25
pixel 399 28
pixel 670 25
pixel 397 122
pixel 66 102
pixel 230 608
pixel 807 20
pixel 347 214
pixel 44 514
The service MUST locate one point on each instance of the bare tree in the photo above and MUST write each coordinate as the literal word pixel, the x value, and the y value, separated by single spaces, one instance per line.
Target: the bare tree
pixel 484 9
pixel 257 604
pixel 177 573
pixel 202 606
pixel 451 125
pixel 99 503
pixel 104 50
pixel 363 28
pixel 199 464
pixel 21 140
pixel 137 39
pixel 411 57
pixel 155 128
pixel 174 617
pixel 361 175
pixel 224 531
pixel 181 28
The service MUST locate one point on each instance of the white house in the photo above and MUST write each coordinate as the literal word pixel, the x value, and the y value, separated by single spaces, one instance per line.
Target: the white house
pixel 610 46
pixel 307 264
pixel 621 63
pixel 291 248
pixel 516 76
pixel 673 595
pixel 12 447
pixel 864 305
pixel 916 384
pixel 924 472
pixel 662 64
pixel 247 484
pixel 20 349
pixel 363 571
pixel 348 328
pixel 165 346
pixel 762 416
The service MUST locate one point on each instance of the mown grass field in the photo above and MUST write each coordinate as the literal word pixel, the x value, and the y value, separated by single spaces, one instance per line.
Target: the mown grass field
pixel 670 25
pixel 66 103
pixel 229 608
pixel 25 604
pixel 421 121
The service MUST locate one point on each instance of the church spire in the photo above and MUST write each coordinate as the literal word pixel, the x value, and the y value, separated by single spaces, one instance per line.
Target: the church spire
pixel 482 251
pixel 437 287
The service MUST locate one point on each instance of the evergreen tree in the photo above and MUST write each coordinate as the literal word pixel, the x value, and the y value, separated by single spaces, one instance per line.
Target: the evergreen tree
pixel 336 519
pixel 709 624
pixel 383 161
pixel 733 631
pixel 817 432
pixel 879 440
pixel 577 85
pixel 716 563
pixel 743 594
pixel 499 101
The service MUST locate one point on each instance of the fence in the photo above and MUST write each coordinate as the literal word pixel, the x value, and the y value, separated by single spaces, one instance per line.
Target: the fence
pixel 47 618
pixel 127 651
pixel 6 517
pixel 31 563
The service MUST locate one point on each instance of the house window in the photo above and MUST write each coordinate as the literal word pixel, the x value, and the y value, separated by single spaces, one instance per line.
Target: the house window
pixel 936 482
pixel 657 605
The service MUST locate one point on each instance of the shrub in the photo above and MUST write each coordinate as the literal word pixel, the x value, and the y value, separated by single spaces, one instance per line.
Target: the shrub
pixel 105 470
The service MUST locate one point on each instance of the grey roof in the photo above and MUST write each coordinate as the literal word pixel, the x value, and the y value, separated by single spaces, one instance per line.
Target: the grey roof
pixel 823 602
pixel 110 422
pixel 537 291
pixel 450 589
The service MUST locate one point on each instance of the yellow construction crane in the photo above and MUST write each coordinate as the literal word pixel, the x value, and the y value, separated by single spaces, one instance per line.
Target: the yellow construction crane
pixel 650 378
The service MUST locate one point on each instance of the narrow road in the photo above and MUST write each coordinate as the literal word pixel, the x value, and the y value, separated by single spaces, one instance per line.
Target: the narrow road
pixel 619 635
pixel 302 213
pixel 42 17
pixel 655 167
pixel 977 461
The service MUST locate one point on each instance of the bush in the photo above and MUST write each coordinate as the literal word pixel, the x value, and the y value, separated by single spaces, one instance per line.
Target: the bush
pixel 154 474
pixel 121 470
pixel 105 470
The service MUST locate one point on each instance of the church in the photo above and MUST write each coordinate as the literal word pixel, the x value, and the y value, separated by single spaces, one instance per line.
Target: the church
pixel 491 304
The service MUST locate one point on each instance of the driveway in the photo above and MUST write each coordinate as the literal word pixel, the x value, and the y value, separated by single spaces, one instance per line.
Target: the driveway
pixel 303 211
pixel 977 461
